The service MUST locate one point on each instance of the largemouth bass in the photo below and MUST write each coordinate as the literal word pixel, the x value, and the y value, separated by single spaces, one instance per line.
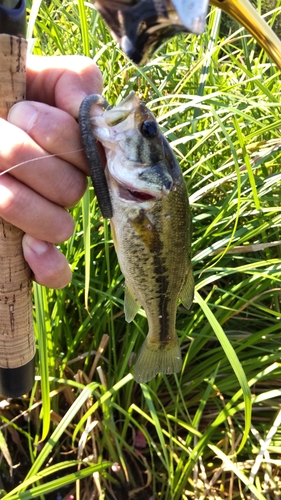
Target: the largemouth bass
pixel 151 228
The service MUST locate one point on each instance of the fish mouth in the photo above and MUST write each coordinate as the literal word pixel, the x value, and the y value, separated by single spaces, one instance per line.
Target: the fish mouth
pixel 152 183
pixel 131 194
pixel 146 191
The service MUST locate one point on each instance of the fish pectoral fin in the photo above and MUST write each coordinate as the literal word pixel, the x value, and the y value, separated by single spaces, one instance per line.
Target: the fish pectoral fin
pixel 155 358
pixel 147 231
pixel 187 292
pixel 131 305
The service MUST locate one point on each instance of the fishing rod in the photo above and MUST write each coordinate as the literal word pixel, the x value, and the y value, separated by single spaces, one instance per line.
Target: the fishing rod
pixel 17 346
pixel 140 27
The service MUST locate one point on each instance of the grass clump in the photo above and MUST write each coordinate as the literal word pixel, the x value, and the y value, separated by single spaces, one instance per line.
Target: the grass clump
pixel 98 434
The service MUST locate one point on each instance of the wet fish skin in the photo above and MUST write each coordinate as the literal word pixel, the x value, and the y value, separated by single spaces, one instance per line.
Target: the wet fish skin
pixel 155 260
pixel 151 228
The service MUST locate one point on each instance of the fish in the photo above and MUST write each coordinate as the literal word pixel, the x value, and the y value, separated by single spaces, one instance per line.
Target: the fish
pixel 151 228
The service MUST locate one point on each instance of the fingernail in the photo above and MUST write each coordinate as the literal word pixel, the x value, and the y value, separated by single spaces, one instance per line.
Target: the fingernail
pixel 23 115
pixel 37 246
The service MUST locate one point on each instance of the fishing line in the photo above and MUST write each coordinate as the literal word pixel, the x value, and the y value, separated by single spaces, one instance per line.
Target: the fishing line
pixel 39 158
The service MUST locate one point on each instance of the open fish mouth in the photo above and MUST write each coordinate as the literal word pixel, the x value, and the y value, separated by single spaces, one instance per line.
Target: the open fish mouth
pixel 146 185
pixel 131 194
pixel 149 185
pixel 140 167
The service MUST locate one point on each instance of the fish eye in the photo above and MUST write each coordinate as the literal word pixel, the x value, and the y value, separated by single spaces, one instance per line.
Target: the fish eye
pixel 149 129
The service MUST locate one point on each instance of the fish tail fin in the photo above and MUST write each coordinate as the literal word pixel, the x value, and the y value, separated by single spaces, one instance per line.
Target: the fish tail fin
pixel 157 358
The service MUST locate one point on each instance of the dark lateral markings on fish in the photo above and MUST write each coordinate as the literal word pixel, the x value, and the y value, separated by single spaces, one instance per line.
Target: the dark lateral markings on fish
pixel 151 227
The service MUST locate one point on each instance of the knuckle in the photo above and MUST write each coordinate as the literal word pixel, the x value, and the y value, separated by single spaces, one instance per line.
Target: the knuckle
pixel 55 275
pixel 56 125
pixel 12 199
pixel 13 150
pixel 74 186
pixel 63 228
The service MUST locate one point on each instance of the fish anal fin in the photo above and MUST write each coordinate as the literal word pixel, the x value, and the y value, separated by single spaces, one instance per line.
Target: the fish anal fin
pixel 131 306
pixel 187 291
pixel 157 358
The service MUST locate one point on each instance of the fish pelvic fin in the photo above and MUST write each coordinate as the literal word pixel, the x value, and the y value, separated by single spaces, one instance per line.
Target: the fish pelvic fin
pixel 187 292
pixel 131 305
pixel 155 358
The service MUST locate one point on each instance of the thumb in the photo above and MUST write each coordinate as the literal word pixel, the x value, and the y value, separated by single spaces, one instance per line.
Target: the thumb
pixel 62 81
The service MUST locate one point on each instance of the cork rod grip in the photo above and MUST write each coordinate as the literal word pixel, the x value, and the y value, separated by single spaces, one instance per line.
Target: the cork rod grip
pixel 17 347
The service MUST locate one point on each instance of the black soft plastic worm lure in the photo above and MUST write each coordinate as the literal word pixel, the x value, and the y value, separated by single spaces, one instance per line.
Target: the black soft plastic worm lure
pixel 92 154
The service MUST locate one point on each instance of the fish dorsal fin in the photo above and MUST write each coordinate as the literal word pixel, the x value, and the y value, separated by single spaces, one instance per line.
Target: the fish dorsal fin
pixel 131 306
pixel 187 291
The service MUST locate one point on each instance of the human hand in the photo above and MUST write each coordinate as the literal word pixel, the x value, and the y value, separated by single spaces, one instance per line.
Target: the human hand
pixel 35 195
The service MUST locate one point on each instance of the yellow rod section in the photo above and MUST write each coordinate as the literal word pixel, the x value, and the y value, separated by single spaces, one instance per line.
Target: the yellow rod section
pixel 246 15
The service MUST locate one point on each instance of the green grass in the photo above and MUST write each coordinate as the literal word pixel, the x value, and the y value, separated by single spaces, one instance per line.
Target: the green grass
pixel 218 102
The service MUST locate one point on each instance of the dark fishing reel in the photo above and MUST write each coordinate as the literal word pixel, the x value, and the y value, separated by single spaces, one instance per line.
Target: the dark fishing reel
pixel 12 17
pixel 141 26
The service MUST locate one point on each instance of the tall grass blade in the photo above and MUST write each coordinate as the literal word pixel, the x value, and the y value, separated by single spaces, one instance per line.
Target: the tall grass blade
pixel 235 363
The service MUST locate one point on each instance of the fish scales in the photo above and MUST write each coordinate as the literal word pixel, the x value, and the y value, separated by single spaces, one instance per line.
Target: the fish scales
pixel 151 228
pixel 154 258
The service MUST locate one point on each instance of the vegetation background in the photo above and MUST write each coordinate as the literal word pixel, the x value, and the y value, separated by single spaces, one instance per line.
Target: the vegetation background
pixel 87 430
